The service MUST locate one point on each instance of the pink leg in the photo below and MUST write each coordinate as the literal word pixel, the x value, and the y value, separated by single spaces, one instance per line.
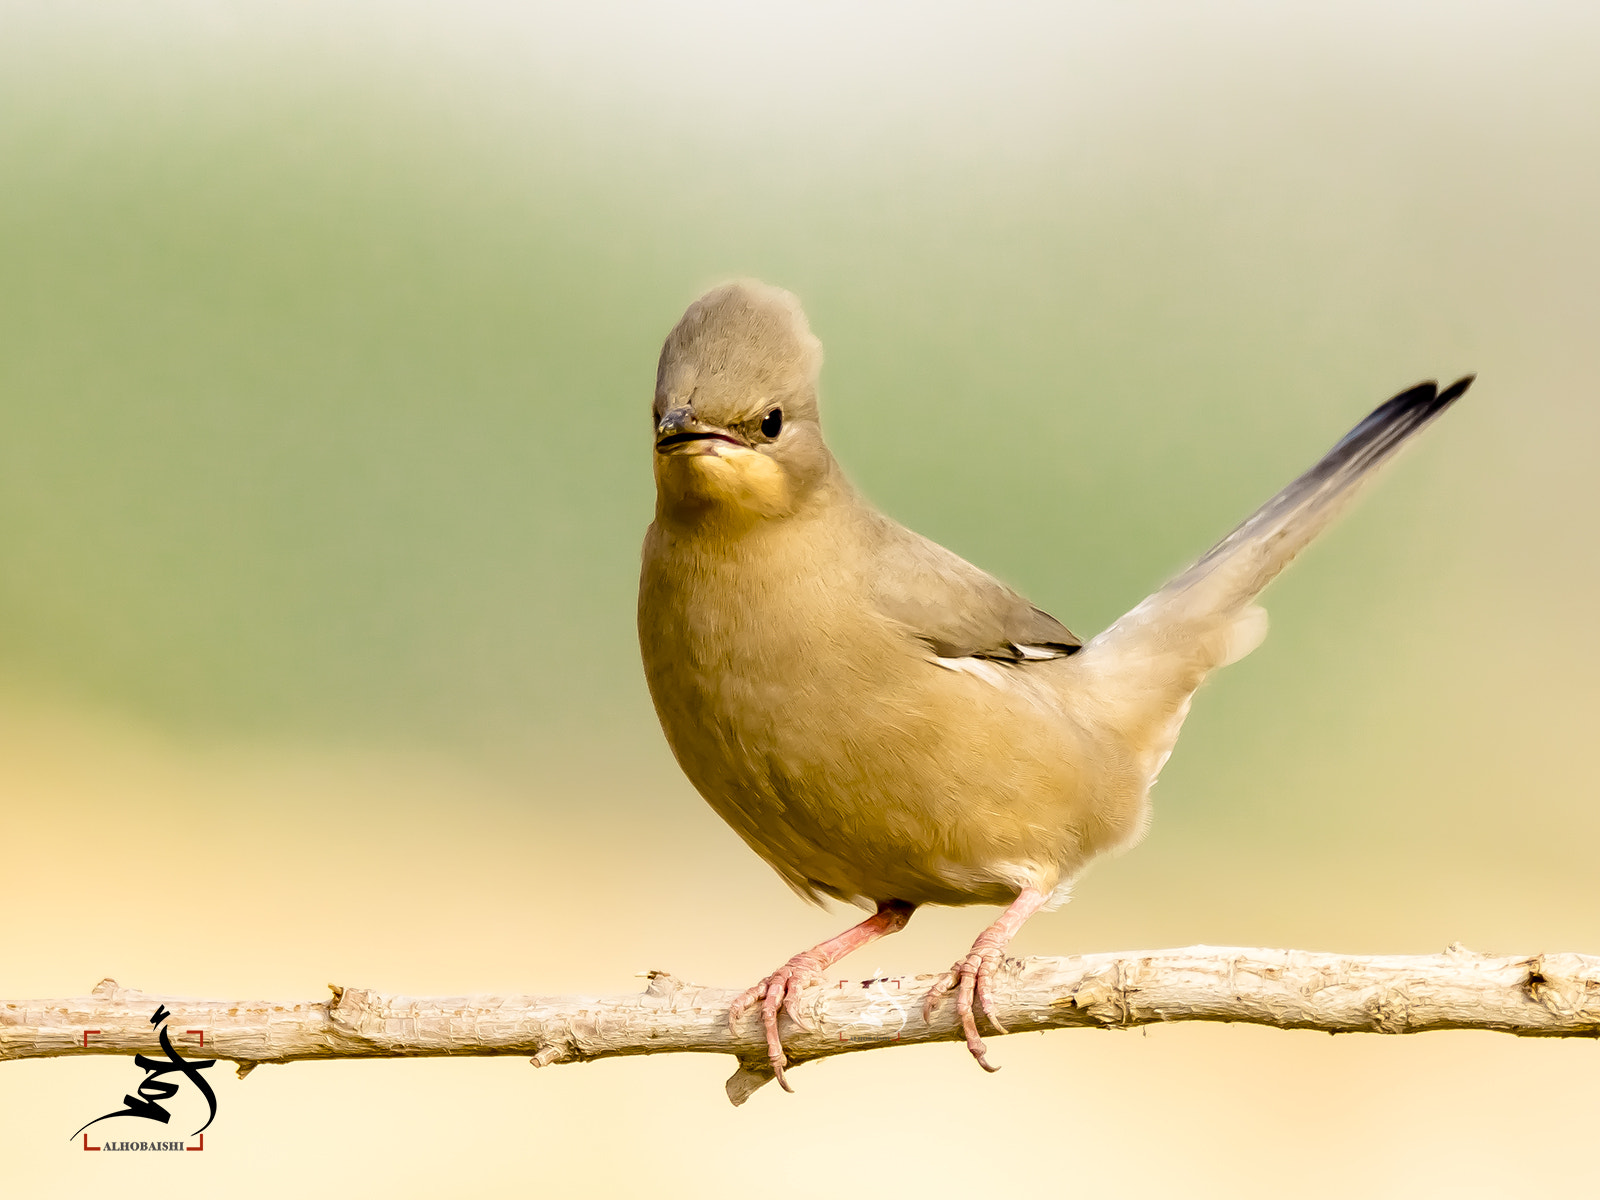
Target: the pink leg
pixel 975 972
pixel 782 988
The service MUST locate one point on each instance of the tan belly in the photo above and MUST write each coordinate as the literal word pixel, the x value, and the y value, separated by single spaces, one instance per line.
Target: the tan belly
pixel 862 770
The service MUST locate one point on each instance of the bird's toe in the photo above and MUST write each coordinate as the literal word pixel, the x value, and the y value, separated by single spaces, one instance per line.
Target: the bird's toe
pixel 972 979
pixel 779 992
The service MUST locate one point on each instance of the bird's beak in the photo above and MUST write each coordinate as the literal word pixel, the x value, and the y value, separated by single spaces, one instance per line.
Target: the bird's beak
pixel 678 432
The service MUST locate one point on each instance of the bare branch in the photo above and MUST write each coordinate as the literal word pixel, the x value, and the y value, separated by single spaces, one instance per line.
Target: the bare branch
pixel 1543 995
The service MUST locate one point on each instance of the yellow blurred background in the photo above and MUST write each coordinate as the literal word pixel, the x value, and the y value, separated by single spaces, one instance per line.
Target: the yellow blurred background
pixel 327 334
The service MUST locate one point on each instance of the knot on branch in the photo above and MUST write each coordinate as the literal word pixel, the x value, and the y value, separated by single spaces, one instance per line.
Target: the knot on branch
pixel 1102 995
pixel 1565 985
pixel 351 1008
pixel 553 1053
pixel 661 985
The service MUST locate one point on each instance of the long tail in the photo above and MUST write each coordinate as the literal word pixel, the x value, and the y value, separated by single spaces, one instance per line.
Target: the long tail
pixel 1147 665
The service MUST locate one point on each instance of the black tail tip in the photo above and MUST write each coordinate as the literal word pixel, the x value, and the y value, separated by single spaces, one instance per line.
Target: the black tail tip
pixel 1455 390
pixel 1423 400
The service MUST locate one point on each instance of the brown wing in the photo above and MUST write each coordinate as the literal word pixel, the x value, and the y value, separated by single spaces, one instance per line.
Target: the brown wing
pixel 957 609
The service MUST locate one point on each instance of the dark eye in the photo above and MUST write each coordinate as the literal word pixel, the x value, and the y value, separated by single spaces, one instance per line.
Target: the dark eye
pixel 772 423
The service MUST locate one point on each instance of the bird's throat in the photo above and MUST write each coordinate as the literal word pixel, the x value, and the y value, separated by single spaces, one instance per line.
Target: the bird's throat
pixel 725 483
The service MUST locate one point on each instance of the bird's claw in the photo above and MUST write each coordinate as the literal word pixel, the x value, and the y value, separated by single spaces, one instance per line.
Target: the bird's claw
pixel 971 978
pixel 779 991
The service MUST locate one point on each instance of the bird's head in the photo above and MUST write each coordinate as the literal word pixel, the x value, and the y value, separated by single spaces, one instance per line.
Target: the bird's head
pixel 735 415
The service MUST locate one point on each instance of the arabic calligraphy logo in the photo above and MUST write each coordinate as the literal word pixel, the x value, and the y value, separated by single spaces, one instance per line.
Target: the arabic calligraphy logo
pixel 886 1008
pixel 154 1092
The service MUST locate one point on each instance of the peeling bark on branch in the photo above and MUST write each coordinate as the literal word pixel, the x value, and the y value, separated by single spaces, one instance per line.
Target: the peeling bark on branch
pixel 1544 995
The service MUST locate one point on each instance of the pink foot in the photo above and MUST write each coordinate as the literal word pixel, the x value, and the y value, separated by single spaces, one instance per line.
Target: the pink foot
pixel 973 976
pixel 780 990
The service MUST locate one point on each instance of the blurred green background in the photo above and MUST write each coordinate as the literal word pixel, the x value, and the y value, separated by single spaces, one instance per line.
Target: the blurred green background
pixel 327 334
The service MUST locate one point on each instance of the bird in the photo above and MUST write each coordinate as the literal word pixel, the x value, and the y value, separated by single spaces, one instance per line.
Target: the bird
pixel 884 723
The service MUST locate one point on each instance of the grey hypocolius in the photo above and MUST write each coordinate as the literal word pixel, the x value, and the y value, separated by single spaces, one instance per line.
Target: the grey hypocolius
pixel 881 721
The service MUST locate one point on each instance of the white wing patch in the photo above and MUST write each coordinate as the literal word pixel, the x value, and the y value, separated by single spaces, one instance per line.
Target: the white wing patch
pixel 982 668
pixel 998 670
pixel 1036 653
